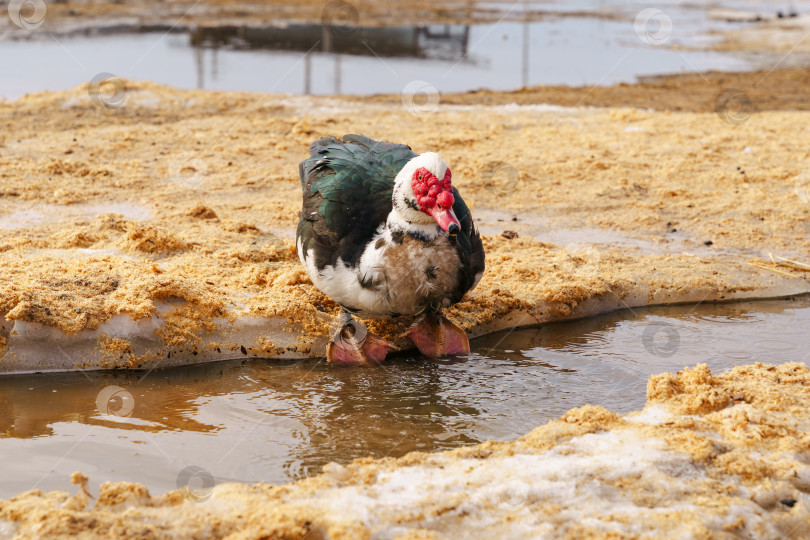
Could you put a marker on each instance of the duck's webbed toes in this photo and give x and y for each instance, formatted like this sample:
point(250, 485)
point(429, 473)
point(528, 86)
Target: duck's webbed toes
point(353, 345)
point(435, 335)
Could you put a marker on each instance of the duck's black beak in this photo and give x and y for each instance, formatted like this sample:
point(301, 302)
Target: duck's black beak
point(453, 229)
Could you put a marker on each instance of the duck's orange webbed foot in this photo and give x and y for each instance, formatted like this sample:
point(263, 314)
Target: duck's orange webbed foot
point(435, 335)
point(353, 345)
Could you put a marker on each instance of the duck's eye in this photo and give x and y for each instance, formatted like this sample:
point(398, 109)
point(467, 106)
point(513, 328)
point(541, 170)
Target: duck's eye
point(419, 176)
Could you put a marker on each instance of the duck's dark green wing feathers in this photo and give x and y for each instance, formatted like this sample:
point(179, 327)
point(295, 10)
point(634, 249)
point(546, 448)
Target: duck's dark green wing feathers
point(347, 186)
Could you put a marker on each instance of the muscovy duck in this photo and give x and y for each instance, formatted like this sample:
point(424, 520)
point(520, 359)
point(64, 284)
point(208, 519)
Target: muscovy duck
point(384, 233)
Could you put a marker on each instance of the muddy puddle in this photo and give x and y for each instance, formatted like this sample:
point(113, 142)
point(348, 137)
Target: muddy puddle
point(273, 421)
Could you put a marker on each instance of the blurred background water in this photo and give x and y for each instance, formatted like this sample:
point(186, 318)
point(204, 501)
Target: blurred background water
point(580, 43)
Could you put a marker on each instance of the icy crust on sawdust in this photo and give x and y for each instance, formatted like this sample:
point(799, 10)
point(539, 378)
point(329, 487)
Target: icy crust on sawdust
point(161, 233)
point(105, 312)
point(710, 456)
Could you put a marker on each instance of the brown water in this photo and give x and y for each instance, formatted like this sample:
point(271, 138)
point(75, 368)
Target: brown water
point(268, 421)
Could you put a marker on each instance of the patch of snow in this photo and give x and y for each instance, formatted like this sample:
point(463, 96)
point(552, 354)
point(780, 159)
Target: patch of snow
point(78, 253)
point(143, 98)
point(35, 347)
point(577, 475)
point(323, 105)
point(43, 214)
point(7, 529)
point(515, 108)
point(652, 415)
point(119, 326)
point(75, 102)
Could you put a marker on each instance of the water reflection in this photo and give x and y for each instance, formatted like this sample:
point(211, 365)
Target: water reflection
point(437, 42)
point(447, 42)
point(268, 421)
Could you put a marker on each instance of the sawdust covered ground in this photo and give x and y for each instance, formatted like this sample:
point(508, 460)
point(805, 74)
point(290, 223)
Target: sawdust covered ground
point(194, 195)
point(755, 92)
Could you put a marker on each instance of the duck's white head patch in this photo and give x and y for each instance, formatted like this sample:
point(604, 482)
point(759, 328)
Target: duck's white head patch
point(423, 192)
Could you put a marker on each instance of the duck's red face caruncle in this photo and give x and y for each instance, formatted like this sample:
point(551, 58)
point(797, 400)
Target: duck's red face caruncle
point(435, 198)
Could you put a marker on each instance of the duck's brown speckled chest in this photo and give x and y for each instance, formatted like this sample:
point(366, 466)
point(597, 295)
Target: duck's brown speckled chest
point(419, 274)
